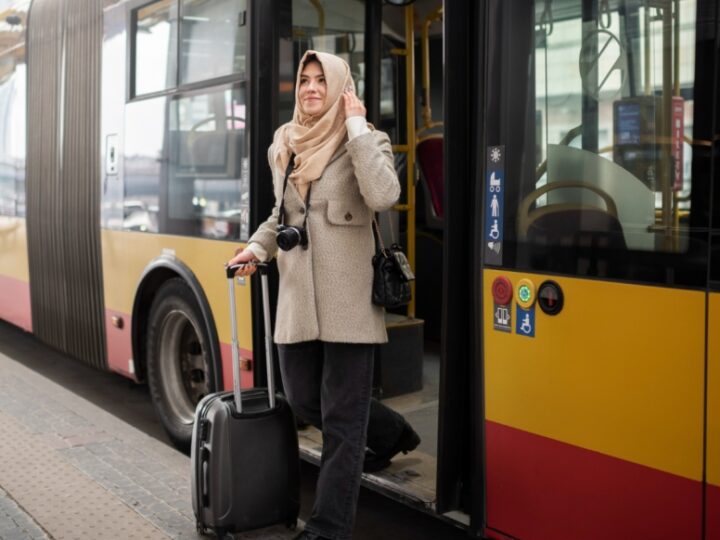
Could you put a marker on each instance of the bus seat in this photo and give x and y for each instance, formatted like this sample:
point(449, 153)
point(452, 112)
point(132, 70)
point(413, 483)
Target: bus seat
point(571, 224)
point(430, 158)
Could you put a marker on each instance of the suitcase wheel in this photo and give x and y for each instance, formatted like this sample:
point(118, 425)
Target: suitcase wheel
point(292, 524)
point(200, 528)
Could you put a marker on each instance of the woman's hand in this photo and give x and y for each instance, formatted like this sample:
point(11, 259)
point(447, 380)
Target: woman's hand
point(244, 257)
point(353, 105)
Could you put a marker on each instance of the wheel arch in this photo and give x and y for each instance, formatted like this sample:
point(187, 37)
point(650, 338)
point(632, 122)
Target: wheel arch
point(160, 270)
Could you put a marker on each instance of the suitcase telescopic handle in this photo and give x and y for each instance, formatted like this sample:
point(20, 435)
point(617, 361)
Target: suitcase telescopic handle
point(230, 273)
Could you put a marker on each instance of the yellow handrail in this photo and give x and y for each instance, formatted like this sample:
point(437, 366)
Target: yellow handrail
point(425, 42)
point(321, 16)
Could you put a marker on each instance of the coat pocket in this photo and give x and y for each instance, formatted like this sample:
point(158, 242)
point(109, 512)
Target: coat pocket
point(346, 213)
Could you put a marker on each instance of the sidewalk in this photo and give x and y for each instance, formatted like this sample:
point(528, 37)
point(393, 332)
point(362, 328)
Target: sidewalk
point(70, 470)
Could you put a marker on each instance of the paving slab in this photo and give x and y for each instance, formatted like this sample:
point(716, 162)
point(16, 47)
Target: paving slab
point(70, 470)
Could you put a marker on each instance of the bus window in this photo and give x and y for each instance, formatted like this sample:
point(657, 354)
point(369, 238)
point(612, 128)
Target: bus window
point(208, 186)
point(12, 110)
point(606, 139)
point(155, 56)
point(207, 192)
point(213, 39)
point(143, 166)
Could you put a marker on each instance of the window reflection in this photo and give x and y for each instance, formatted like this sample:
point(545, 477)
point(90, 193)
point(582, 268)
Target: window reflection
point(613, 117)
point(155, 47)
point(336, 27)
point(190, 178)
point(213, 39)
point(13, 77)
point(208, 187)
point(143, 164)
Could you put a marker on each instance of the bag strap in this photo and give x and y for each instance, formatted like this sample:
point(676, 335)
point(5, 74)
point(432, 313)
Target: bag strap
point(379, 246)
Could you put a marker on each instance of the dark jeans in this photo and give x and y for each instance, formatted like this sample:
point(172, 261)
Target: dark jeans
point(329, 385)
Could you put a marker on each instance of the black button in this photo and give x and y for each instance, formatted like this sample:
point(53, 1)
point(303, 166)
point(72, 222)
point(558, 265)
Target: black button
point(302, 210)
point(348, 217)
point(550, 297)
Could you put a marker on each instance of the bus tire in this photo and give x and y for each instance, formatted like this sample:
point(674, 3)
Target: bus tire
point(179, 360)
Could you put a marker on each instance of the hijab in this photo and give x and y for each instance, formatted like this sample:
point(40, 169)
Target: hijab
point(314, 138)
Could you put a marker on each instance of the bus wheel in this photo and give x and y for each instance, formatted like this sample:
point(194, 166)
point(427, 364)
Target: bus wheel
point(179, 363)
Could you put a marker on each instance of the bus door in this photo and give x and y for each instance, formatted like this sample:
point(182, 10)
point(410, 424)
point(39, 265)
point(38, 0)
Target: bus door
point(712, 407)
point(599, 122)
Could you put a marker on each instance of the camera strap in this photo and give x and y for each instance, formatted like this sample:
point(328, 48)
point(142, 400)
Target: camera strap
point(291, 164)
point(281, 213)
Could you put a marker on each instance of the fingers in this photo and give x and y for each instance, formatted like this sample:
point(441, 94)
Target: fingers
point(246, 259)
point(353, 105)
point(246, 270)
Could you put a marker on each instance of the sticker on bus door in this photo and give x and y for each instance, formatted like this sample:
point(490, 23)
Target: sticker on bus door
point(494, 204)
point(525, 321)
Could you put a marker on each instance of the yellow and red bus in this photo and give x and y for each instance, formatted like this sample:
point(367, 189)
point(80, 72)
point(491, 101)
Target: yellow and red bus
point(601, 375)
point(561, 161)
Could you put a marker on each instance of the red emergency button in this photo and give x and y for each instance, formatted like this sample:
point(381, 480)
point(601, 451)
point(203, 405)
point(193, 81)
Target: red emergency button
point(502, 290)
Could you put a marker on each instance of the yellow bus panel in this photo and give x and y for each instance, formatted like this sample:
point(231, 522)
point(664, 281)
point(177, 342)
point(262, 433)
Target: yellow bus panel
point(713, 391)
point(14, 273)
point(618, 371)
point(126, 255)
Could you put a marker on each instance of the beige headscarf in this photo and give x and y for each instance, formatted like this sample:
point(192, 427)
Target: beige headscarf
point(314, 138)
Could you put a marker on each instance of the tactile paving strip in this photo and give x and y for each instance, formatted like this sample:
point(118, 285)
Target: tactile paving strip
point(65, 502)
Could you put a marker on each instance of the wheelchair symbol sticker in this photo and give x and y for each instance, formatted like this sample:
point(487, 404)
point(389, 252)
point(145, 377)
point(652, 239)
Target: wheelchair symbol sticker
point(494, 204)
point(525, 325)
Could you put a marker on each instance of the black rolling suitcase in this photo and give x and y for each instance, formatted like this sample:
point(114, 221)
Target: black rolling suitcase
point(245, 464)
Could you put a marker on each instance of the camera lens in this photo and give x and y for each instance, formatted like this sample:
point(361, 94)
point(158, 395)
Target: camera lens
point(288, 238)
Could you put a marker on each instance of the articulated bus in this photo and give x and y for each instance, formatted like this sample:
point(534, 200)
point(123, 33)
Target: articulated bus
point(561, 356)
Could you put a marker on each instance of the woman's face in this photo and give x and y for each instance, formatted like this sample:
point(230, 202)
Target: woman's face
point(313, 89)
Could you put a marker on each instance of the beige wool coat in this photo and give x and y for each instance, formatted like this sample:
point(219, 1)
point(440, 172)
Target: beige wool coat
point(325, 291)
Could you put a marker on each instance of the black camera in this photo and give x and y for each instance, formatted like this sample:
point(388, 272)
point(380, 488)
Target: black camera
point(288, 237)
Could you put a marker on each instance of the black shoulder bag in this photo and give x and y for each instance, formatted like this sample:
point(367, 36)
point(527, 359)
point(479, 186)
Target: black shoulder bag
point(392, 274)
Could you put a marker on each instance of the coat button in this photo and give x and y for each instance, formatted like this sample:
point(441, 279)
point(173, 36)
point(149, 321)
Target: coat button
point(302, 210)
point(348, 217)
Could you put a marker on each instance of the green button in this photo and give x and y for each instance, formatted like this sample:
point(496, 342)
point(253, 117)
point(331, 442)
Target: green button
point(524, 293)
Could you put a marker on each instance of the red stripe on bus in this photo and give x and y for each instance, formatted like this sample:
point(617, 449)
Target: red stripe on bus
point(712, 514)
point(246, 377)
point(119, 344)
point(15, 302)
point(542, 489)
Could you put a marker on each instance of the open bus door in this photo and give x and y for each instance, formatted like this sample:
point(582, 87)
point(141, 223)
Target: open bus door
point(378, 41)
point(601, 362)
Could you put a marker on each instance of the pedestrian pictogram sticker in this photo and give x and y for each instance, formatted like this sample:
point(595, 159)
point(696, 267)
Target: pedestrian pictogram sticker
point(494, 204)
point(525, 325)
point(502, 317)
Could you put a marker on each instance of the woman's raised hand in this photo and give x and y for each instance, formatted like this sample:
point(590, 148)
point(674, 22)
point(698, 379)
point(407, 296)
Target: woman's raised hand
point(244, 257)
point(353, 105)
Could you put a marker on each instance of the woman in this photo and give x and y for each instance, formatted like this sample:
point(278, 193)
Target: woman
point(339, 172)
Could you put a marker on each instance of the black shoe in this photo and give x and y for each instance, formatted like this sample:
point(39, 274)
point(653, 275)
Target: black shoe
point(407, 442)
